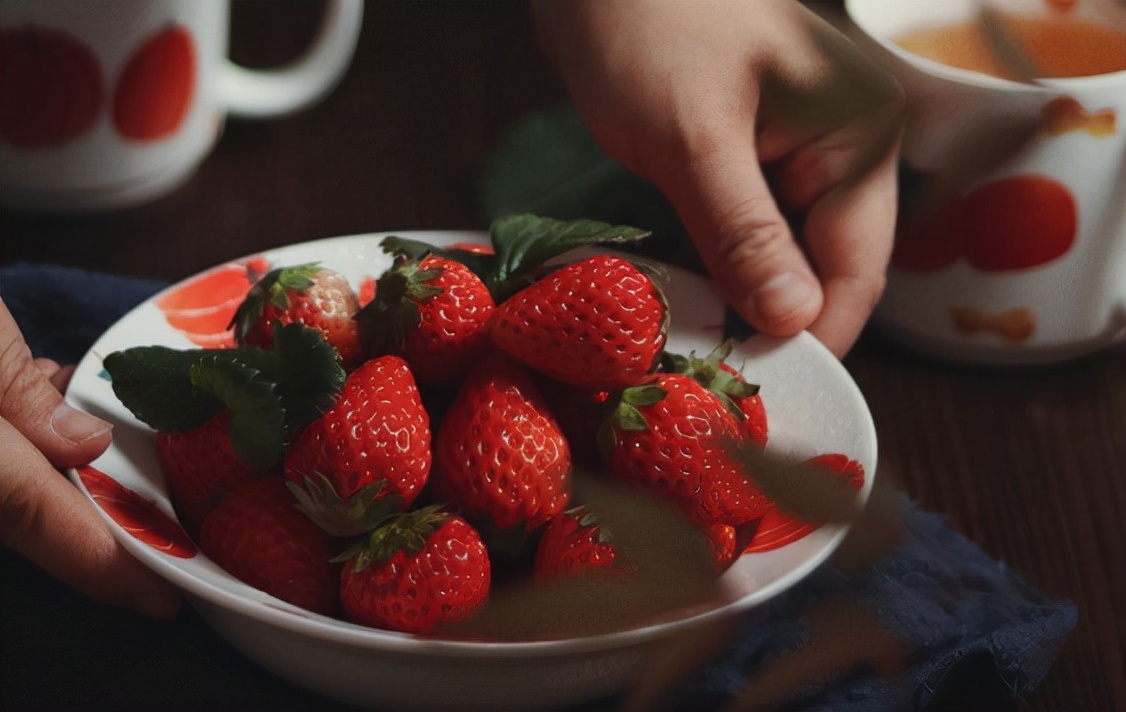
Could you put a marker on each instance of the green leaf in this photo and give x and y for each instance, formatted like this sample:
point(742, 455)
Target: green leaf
point(154, 383)
point(551, 165)
point(404, 248)
point(273, 288)
point(165, 389)
point(407, 532)
point(307, 372)
point(257, 426)
point(646, 394)
point(360, 513)
point(524, 242)
point(629, 418)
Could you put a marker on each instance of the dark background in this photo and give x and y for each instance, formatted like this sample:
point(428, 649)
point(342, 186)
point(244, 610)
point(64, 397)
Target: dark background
point(1028, 462)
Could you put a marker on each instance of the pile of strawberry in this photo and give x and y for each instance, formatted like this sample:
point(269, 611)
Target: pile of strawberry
point(386, 462)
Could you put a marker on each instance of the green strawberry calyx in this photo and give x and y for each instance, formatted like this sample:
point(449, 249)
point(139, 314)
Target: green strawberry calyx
point(522, 243)
point(406, 532)
point(387, 320)
point(270, 393)
point(344, 517)
point(273, 289)
point(627, 414)
point(588, 520)
point(709, 373)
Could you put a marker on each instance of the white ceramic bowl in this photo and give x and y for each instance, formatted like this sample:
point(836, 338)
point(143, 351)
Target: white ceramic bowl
point(813, 407)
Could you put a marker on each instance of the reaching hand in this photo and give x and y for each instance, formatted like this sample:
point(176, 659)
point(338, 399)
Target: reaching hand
point(42, 515)
point(751, 116)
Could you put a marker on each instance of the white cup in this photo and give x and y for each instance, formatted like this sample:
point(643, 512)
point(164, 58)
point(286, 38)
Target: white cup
point(1024, 260)
point(111, 103)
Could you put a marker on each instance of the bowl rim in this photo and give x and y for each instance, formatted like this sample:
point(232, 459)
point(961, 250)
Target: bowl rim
point(244, 600)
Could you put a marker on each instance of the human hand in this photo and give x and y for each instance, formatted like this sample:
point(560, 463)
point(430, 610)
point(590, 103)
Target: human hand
point(42, 515)
point(749, 115)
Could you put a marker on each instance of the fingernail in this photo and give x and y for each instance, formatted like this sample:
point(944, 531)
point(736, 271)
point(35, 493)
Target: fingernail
point(782, 297)
point(76, 426)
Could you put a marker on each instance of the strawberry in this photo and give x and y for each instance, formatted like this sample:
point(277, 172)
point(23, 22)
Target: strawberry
point(722, 538)
point(779, 528)
point(306, 294)
point(739, 396)
point(672, 435)
point(755, 423)
point(257, 535)
point(419, 570)
point(201, 467)
point(499, 454)
point(373, 444)
point(573, 543)
point(580, 414)
point(432, 312)
point(598, 323)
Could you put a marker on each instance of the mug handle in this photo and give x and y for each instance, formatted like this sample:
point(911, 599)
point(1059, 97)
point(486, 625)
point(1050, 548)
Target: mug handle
point(256, 94)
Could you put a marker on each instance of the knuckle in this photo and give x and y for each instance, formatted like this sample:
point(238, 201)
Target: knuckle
point(22, 393)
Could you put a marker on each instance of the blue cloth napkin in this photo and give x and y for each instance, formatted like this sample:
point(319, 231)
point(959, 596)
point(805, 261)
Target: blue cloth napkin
point(979, 636)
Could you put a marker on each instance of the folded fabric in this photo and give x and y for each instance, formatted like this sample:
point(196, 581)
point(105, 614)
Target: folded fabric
point(975, 633)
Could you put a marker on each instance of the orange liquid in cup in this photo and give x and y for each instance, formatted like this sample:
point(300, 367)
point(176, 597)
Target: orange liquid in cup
point(1059, 46)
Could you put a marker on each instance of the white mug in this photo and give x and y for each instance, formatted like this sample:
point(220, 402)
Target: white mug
point(111, 103)
point(1023, 261)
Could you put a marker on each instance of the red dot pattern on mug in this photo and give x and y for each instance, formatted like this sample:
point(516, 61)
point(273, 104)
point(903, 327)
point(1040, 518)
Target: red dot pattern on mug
point(53, 87)
point(1011, 223)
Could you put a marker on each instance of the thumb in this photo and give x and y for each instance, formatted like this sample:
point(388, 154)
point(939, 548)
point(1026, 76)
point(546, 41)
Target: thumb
point(725, 203)
point(28, 400)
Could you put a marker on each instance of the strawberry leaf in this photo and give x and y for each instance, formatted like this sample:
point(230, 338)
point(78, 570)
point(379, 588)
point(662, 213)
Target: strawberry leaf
point(307, 372)
point(524, 242)
point(257, 426)
point(358, 514)
point(161, 388)
point(153, 382)
point(481, 264)
point(387, 321)
point(273, 289)
point(406, 532)
point(521, 244)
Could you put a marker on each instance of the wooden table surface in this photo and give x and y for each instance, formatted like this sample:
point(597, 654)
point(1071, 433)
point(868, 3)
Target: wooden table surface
point(1030, 463)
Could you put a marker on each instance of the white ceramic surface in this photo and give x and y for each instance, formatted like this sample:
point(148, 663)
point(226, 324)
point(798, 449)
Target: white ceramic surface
point(1070, 305)
point(813, 407)
point(101, 169)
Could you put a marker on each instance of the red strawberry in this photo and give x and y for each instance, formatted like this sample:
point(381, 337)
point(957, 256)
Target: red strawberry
point(672, 435)
point(201, 467)
point(580, 414)
point(433, 313)
point(573, 543)
point(779, 528)
point(722, 539)
point(598, 323)
point(499, 454)
point(741, 397)
point(307, 294)
point(755, 423)
point(374, 443)
point(420, 570)
point(259, 537)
